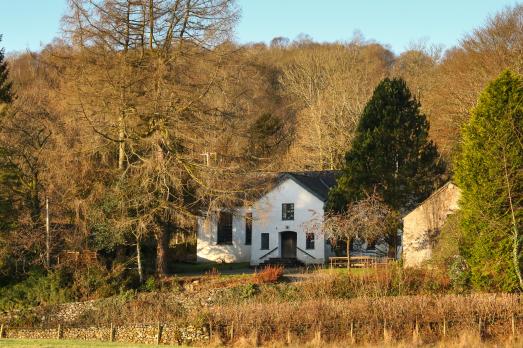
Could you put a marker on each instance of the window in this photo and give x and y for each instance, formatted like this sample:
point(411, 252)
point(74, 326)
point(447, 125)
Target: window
point(225, 228)
point(264, 241)
point(287, 211)
point(309, 241)
point(248, 229)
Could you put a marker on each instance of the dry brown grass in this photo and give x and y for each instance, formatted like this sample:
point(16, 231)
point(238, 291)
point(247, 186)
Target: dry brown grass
point(390, 320)
point(392, 307)
point(269, 274)
point(464, 340)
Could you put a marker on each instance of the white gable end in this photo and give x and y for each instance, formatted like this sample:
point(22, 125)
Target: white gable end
point(267, 216)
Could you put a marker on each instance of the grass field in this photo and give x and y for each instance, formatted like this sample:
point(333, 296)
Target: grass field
point(67, 343)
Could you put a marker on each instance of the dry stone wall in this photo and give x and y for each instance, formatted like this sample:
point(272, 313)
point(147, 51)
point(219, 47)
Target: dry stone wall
point(142, 333)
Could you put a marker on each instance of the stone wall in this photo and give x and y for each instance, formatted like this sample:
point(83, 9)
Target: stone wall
point(140, 333)
point(422, 225)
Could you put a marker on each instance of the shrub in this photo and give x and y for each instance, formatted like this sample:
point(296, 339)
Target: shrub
point(248, 291)
point(390, 281)
point(38, 288)
point(269, 274)
point(149, 285)
point(447, 243)
point(459, 273)
point(212, 273)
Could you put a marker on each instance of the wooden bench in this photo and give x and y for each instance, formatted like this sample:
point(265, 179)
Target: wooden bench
point(359, 261)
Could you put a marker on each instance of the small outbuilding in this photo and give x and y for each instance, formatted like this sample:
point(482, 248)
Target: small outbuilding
point(422, 225)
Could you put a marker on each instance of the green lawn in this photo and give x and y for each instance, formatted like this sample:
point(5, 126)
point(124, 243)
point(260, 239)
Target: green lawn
point(67, 343)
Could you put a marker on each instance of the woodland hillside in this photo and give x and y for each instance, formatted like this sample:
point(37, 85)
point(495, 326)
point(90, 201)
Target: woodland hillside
point(142, 114)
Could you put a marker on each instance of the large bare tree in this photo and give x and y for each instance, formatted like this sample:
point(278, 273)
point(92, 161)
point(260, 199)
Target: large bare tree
point(138, 84)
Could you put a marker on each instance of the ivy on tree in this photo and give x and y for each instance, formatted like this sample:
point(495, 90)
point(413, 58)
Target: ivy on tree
point(489, 172)
point(391, 152)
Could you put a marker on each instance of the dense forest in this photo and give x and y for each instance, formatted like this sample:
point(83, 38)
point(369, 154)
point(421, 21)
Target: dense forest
point(144, 113)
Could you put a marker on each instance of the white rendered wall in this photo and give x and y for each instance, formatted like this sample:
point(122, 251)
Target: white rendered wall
point(207, 249)
point(267, 218)
point(429, 216)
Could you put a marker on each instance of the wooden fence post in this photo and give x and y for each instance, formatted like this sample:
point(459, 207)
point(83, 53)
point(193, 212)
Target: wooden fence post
point(112, 333)
point(289, 339)
point(415, 332)
point(513, 322)
point(386, 335)
point(444, 327)
point(59, 334)
point(232, 332)
point(2, 333)
point(480, 328)
point(159, 333)
point(318, 336)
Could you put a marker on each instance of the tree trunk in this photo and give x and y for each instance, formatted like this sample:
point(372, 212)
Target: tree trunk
point(121, 136)
point(348, 252)
point(162, 248)
point(139, 260)
point(393, 246)
point(35, 201)
point(515, 232)
point(47, 235)
point(151, 24)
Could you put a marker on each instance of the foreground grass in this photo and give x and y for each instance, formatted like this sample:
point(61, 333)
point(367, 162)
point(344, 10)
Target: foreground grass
point(41, 343)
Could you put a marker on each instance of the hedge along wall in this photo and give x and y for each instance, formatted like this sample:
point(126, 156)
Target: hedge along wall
point(493, 317)
point(490, 316)
point(140, 333)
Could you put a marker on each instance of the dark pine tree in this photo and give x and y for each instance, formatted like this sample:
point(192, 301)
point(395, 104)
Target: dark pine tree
point(5, 84)
point(265, 135)
point(391, 152)
point(8, 183)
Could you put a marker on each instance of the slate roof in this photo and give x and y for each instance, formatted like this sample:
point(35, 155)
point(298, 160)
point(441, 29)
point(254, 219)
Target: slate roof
point(316, 182)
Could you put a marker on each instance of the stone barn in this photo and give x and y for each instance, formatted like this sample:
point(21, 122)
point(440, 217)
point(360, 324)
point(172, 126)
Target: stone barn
point(422, 225)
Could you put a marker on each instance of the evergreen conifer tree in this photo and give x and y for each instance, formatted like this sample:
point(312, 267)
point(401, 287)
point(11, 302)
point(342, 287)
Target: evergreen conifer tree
point(8, 179)
point(5, 84)
point(489, 171)
point(391, 152)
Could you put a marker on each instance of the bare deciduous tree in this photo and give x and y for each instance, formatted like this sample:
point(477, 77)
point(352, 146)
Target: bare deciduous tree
point(331, 86)
point(368, 219)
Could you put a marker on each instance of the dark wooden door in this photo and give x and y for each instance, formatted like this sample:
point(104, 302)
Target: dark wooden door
point(288, 244)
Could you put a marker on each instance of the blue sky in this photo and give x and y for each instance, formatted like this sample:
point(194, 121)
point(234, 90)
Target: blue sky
point(27, 24)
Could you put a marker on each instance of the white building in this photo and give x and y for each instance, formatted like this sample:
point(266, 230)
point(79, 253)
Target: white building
point(422, 225)
point(285, 223)
point(282, 223)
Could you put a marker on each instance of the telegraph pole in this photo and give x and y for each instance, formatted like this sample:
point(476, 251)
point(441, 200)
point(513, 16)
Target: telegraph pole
point(48, 235)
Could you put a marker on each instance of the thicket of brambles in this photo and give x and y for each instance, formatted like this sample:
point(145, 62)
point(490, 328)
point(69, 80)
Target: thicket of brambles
point(142, 114)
